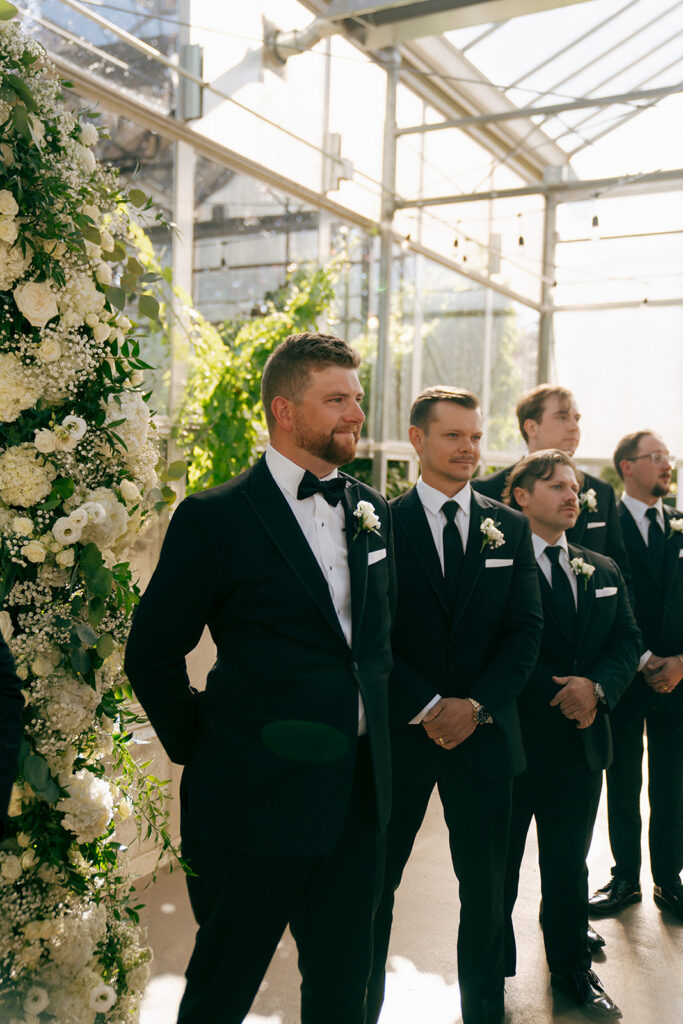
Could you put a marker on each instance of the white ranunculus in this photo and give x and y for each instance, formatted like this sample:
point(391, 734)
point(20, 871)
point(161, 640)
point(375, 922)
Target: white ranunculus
point(34, 551)
point(66, 530)
point(44, 440)
point(22, 526)
point(8, 204)
point(50, 350)
point(103, 274)
point(130, 491)
point(65, 557)
point(10, 867)
point(6, 626)
point(80, 517)
point(36, 1000)
point(96, 511)
point(8, 230)
point(36, 301)
point(89, 134)
point(102, 998)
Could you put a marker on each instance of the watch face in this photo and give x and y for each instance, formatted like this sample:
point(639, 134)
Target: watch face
point(481, 716)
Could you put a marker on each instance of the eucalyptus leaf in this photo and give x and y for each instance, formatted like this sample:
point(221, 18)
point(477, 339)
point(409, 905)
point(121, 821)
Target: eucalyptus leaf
point(36, 771)
point(116, 296)
point(86, 634)
point(176, 471)
point(148, 307)
point(137, 197)
point(80, 660)
point(7, 10)
point(105, 645)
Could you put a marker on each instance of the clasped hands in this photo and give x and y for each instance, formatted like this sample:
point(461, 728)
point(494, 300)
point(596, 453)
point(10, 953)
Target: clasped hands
point(576, 699)
point(449, 722)
point(663, 674)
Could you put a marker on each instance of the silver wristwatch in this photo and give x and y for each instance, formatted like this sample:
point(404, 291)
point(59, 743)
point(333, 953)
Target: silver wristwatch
point(479, 713)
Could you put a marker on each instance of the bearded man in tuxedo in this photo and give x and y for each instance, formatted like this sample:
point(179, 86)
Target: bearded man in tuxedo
point(653, 533)
point(549, 417)
point(286, 787)
point(465, 640)
point(11, 704)
point(589, 650)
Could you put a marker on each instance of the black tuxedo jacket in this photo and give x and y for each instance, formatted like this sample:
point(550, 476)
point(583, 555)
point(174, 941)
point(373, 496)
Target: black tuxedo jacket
point(11, 704)
point(605, 647)
point(658, 604)
point(599, 530)
point(486, 648)
point(235, 559)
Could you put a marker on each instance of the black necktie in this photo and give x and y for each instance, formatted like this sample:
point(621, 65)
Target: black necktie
point(562, 589)
point(453, 553)
point(655, 541)
point(331, 490)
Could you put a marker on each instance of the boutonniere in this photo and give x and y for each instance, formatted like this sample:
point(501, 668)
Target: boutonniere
point(588, 500)
point(368, 520)
point(583, 569)
point(493, 537)
point(675, 526)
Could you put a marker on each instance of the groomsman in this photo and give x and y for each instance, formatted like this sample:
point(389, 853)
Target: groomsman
point(549, 418)
point(465, 641)
point(11, 704)
point(589, 650)
point(654, 701)
point(286, 788)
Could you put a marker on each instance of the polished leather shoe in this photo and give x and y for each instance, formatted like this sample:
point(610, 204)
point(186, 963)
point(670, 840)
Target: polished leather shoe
point(670, 897)
point(586, 989)
point(594, 940)
point(616, 894)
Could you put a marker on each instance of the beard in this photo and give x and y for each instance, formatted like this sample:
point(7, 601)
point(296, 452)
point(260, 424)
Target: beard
point(660, 490)
point(331, 447)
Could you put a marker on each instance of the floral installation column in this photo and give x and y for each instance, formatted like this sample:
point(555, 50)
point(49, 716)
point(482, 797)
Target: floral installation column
point(78, 482)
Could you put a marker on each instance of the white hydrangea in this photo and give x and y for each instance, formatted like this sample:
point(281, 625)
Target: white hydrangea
point(19, 388)
point(89, 807)
point(25, 476)
point(68, 704)
point(78, 298)
point(133, 409)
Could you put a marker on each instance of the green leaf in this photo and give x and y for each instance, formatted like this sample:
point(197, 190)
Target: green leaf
point(21, 89)
point(137, 197)
point(92, 234)
point(80, 660)
point(148, 306)
point(116, 296)
point(7, 10)
point(134, 268)
point(96, 610)
point(86, 634)
point(169, 495)
point(20, 115)
point(176, 471)
point(36, 771)
point(63, 486)
point(90, 558)
point(105, 645)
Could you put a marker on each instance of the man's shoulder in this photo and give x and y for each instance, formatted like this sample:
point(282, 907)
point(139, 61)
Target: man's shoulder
point(493, 484)
point(367, 493)
point(603, 563)
point(500, 511)
point(603, 490)
point(216, 498)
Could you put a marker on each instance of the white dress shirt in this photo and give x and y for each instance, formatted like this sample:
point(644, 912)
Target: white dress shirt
point(638, 510)
point(545, 564)
point(324, 528)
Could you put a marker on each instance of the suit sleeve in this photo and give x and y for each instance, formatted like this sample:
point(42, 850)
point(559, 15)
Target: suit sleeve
point(168, 624)
point(508, 671)
point(618, 661)
point(11, 705)
point(615, 547)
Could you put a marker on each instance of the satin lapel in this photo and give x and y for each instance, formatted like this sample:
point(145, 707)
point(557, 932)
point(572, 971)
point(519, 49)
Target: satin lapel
point(410, 516)
point(585, 599)
point(357, 554)
point(270, 505)
point(672, 551)
point(474, 556)
point(635, 543)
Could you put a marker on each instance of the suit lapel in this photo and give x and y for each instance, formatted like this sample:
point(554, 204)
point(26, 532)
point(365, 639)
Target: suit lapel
point(635, 543)
point(672, 550)
point(357, 554)
point(474, 556)
point(411, 517)
point(270, 505)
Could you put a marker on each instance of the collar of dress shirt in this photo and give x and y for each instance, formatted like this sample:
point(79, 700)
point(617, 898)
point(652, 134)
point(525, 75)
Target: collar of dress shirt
point(540, 545)
point(286, 474)
point(433, 499)
point(639, 508)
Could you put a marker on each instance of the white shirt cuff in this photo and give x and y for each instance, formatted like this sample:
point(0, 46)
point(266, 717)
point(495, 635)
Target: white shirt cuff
point(644, 658)
point(418, 718)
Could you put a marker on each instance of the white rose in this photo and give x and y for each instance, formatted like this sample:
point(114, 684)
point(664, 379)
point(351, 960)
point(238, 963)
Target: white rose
point(6, 154)
point(89, 134)
point(676, 525)
point(8, 204)
point(6, 626)
point(22, 525)
point(36, 301)
point(8, 231)
point(65, 557)
point(34, 551)
point(44, 440)
point(80, 517)
point(11, 867)
point(129, 491)
point(66, 530)
point(101, 332)
point(102, 998)
point(50, 350)
point(28, 859)
point(103, 274)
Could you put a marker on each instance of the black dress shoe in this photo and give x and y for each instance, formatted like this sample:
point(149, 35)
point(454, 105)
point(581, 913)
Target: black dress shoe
point(594, 940)
point(670, 897)
point(616, 894)
point(585, 989)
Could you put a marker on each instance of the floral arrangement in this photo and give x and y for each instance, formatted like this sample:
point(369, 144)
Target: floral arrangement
point(78, 483)
point(493, 536)
point(588, 500)
point(582, 569)
point(675, 526)
point(368, 520)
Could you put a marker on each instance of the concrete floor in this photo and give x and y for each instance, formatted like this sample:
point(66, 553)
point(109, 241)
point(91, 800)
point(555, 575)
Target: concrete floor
point(641, 968)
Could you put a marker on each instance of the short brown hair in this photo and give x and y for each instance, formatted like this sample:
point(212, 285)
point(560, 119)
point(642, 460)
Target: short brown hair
point(288, 368)
point(532, 403)
point(422, 411)
point(538, 466)
point(628, 447)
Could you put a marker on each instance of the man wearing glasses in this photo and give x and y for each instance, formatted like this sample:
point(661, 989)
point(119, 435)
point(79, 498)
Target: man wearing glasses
point(653, 534)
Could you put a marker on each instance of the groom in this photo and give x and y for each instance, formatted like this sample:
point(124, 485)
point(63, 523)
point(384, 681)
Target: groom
point(285, 791)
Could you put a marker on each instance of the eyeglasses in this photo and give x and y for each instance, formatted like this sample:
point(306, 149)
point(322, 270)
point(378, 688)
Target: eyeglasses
point(657, 458)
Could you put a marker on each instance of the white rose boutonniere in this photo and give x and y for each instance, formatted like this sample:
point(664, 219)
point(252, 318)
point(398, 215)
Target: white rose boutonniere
point(589, 500)
point(675, 526)
point(493, 536)
point(368, 520)
point(583, 569)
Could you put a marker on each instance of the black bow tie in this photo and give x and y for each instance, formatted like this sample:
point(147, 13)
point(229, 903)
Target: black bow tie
point(331, 490)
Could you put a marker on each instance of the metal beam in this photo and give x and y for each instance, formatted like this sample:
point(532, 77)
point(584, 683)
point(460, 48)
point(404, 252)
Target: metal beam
point(545, 327)
point(626, 184)
point(590, 307)
point(553, 108)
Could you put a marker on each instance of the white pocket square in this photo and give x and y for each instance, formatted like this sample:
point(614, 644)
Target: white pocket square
point(606, 592)
point(592, 526)
point(680, 553)
point(377, 556)
point(497, 563)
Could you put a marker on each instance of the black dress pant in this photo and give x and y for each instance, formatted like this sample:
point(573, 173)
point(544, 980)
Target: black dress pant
point(639, 710)
point(563, 798)
point(243, 904)
point(477, 815)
